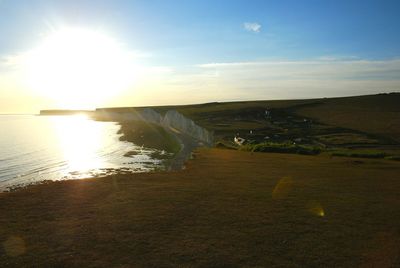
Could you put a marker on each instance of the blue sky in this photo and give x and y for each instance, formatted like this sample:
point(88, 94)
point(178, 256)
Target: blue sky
point(194, 31)
point(191, 36)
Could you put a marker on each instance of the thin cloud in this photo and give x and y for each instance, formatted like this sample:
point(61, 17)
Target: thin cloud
point(337, 58)
point(289, 79)
point(311, 69)
point(252, 27)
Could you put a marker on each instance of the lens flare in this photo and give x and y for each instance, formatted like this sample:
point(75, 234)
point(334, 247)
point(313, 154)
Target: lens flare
point(282, 188)
point(14, 246)
point(315, 208)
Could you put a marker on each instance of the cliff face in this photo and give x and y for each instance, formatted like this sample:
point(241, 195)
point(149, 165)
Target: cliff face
point(175, 120)
point(149, 115)
point(171, 120)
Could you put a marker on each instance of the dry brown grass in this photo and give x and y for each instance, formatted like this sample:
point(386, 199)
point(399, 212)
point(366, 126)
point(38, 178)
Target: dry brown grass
point(227, 209)
point(377, 114)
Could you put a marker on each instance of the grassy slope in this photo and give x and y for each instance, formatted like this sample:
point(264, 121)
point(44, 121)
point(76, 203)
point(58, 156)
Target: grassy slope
point(228, 111)
point(377, 114)
point(356, 122)
point(149, 135)
point(370, 122)
point(227, 209)
point(371, 113)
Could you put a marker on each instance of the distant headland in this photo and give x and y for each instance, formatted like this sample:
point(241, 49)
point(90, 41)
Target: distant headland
point(65, 112)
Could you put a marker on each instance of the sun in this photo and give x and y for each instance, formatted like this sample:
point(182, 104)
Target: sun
point(79, 68)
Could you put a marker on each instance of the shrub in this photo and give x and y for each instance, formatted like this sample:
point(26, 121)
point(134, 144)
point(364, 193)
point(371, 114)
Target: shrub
point(281, 148)
point(393, 157)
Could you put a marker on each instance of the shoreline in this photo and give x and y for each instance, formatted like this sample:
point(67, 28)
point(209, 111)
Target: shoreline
point(161, 138)
point(176, 162)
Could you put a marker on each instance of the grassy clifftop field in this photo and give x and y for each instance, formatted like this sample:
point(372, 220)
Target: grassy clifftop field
point(374, 113)
point(227, 209)
point(377, 114)
point(361, 122)
point(352, 122)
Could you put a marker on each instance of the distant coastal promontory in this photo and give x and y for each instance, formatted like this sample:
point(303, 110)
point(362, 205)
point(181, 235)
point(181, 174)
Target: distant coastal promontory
point(65, 112)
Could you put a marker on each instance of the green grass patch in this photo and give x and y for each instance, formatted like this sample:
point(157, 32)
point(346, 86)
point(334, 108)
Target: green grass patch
point(393, 157)
point(281, 148)
point(271, 147)
point(149, 135)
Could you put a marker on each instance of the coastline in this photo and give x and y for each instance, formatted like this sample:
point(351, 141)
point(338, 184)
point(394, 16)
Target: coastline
point(179, 145)
point(165, 131)
point(170, 147)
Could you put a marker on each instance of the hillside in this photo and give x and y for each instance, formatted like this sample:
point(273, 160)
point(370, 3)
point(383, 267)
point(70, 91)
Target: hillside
point(376, 114)
point(362, 121)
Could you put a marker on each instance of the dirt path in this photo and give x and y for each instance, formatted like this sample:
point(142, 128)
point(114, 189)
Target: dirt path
point(188, 144)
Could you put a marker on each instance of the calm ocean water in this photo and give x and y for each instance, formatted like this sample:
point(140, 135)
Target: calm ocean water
point(37, 148)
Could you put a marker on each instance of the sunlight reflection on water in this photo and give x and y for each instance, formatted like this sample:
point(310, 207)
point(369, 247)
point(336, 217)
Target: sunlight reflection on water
point(38, 148)
point(80, 140)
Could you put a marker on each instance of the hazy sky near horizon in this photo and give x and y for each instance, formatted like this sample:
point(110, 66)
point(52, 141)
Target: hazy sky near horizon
point(178, 52)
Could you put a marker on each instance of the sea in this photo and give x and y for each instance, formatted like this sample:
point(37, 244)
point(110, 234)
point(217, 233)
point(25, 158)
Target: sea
point(34, 149)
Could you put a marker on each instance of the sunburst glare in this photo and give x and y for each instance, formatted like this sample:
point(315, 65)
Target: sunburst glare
point(79, 68)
